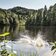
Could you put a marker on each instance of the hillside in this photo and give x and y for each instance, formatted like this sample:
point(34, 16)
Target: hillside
point(28, 17)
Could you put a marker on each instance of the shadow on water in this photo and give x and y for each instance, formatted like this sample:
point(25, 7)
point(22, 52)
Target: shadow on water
point(15, 31)
point(49, 32)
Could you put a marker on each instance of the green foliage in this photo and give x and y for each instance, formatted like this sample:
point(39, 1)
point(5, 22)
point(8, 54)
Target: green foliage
point(4, 51)
point(4, 34)
point(54, 47)
point(44, 17)
point(28, 17)
point(12, 54)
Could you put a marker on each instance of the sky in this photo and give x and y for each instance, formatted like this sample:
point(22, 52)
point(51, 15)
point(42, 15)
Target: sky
point(30, 4)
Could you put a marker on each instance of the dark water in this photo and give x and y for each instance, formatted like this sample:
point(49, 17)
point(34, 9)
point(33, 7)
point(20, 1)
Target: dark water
point(49, 32)
point(29, 36)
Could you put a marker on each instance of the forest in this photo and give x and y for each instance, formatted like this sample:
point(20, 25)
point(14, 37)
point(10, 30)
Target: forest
point(28, 17)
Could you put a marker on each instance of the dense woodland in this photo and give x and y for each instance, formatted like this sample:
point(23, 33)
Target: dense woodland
point(28, 17)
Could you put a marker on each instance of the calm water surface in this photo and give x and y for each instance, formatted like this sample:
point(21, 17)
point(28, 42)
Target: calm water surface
point(30, 40)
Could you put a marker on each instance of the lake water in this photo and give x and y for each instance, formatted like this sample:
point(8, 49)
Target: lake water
point(29, 41)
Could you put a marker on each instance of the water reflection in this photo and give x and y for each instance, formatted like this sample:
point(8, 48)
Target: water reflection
point(14, 31)
point(48, 32)
point(30, 38)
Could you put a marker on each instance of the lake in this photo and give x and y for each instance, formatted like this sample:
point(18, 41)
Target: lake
point(31, 41)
